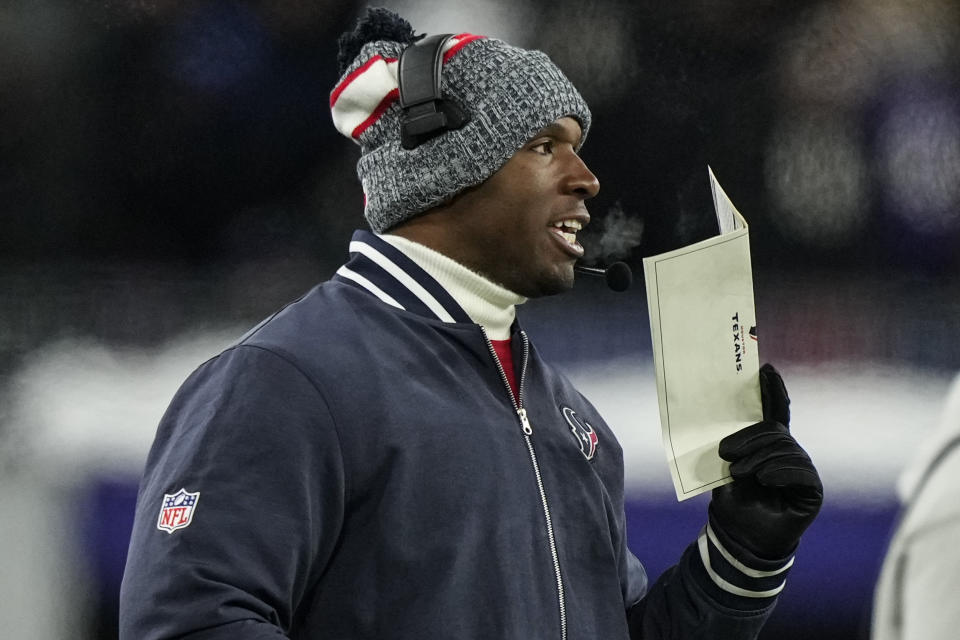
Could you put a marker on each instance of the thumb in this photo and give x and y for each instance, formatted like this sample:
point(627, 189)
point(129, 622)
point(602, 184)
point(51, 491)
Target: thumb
point(773, 396)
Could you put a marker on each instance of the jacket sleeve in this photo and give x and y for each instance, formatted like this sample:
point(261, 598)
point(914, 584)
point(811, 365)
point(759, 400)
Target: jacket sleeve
point(925, 569)
point(253, 438)
point(717, 591)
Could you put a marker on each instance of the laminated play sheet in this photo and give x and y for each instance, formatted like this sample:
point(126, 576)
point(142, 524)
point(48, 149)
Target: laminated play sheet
point(703, 326)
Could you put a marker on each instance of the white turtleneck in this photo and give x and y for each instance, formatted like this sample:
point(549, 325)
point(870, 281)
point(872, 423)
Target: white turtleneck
point(487, 303)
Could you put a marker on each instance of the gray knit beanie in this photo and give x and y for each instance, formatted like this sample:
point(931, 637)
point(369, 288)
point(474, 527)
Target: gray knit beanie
point(509, 93)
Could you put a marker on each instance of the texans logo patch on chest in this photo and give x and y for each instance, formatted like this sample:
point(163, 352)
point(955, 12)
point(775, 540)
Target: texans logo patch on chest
point(583, 432)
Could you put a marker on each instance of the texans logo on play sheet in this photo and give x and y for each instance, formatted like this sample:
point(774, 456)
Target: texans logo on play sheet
point(583, 432)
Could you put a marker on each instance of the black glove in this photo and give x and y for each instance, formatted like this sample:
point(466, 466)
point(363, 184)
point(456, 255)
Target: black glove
point(776, 492)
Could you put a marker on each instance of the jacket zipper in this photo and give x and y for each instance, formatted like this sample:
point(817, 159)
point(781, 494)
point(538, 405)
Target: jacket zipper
point(527, 436)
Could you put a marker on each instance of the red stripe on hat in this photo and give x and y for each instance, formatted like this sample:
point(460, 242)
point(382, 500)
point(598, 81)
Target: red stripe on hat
point(383, 106)
point(463, 40)
point(340, 88)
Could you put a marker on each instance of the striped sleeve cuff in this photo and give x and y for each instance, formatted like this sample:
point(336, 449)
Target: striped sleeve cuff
point(734, 577)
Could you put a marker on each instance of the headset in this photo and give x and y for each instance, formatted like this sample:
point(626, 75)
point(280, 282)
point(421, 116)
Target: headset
point(425, 112)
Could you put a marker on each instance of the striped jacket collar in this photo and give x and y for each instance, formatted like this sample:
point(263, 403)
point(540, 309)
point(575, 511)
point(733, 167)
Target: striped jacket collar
point(384, 271)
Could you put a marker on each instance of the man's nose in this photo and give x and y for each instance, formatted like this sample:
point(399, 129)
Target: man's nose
point(581, 180)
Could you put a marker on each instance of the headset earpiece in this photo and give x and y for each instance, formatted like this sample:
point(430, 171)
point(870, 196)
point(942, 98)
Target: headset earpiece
point(425, 112)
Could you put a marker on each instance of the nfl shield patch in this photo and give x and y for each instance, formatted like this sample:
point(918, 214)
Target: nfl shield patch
point(176, 511)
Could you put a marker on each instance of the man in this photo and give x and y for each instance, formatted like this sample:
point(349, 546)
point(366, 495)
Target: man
point(914, 598)
point(389, 457)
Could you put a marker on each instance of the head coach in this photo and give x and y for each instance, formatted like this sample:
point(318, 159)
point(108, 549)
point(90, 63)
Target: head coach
point(390, 457)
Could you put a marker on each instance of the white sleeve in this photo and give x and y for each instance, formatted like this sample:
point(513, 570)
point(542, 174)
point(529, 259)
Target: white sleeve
point(930, 582)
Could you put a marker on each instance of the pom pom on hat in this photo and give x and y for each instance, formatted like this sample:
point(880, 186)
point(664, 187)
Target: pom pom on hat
point(377, 24)
point(509, 92)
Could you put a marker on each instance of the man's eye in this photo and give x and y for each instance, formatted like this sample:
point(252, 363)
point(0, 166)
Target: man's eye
point(544, 148)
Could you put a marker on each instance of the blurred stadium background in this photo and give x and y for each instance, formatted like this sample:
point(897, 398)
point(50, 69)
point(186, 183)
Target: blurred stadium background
point(169, 175)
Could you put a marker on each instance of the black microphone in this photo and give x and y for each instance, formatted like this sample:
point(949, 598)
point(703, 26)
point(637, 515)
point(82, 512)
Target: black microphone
point(619, 277)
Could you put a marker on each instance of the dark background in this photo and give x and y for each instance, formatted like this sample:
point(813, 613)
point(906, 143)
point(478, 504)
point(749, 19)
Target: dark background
point(140, 138)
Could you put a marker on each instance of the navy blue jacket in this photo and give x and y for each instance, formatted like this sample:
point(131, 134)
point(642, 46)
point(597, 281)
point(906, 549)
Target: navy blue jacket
point(356, 467)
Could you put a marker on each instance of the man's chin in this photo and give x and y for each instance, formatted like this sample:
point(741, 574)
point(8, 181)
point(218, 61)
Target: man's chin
point(558, 281)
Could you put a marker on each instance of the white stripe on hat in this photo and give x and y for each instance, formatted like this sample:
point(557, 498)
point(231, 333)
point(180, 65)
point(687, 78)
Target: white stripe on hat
point(362, 97)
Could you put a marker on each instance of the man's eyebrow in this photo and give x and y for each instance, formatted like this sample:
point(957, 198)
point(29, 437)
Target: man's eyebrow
point(556, 130)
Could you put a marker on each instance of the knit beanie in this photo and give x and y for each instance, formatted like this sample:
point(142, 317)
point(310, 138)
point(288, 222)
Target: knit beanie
point(509, 94)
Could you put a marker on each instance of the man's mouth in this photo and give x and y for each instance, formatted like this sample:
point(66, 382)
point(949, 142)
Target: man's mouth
point(567, 230)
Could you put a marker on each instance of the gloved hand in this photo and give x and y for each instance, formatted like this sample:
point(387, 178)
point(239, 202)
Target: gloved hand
point(776, 492)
